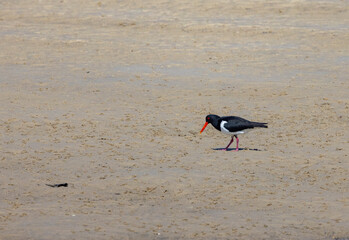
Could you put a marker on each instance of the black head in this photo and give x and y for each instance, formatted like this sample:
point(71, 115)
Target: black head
point(210, 118)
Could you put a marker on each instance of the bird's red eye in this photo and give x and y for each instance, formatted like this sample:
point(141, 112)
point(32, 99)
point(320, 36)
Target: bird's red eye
point(208, 118)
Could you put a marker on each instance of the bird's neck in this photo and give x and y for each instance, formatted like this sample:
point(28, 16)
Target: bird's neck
point(217, 124)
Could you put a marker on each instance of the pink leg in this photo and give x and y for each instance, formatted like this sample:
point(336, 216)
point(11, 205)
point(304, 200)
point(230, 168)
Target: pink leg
point(232, 139)
point(237, 143)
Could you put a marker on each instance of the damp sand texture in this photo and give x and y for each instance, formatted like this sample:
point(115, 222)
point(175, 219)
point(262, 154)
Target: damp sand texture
point(109, 97)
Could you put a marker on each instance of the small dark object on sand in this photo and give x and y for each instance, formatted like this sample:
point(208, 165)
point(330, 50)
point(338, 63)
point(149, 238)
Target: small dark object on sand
point(58, 185)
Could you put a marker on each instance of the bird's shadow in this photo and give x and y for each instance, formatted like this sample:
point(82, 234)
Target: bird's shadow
point(240, 149)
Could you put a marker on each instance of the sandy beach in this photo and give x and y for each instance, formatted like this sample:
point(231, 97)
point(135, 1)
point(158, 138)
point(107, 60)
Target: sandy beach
point(110, 96)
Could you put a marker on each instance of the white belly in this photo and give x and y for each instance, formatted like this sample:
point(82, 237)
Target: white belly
point(225, 131)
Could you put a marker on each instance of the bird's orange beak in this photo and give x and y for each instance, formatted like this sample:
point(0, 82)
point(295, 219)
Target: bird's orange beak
point(204, 127)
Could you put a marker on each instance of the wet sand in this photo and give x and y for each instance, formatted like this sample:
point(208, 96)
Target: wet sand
point(110, 97)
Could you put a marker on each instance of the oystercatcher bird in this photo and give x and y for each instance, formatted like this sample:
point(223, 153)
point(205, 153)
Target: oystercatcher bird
point(232, 126)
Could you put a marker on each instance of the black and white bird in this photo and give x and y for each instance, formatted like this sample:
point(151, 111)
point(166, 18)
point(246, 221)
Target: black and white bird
point(232, 126)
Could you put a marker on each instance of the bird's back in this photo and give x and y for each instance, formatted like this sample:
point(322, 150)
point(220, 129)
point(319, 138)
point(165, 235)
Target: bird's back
point(234, 124)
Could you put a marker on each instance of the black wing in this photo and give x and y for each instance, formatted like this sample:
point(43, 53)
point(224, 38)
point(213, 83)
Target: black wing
point(235, 124)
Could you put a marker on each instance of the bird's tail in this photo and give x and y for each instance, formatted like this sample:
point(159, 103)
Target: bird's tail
point(261, 125)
